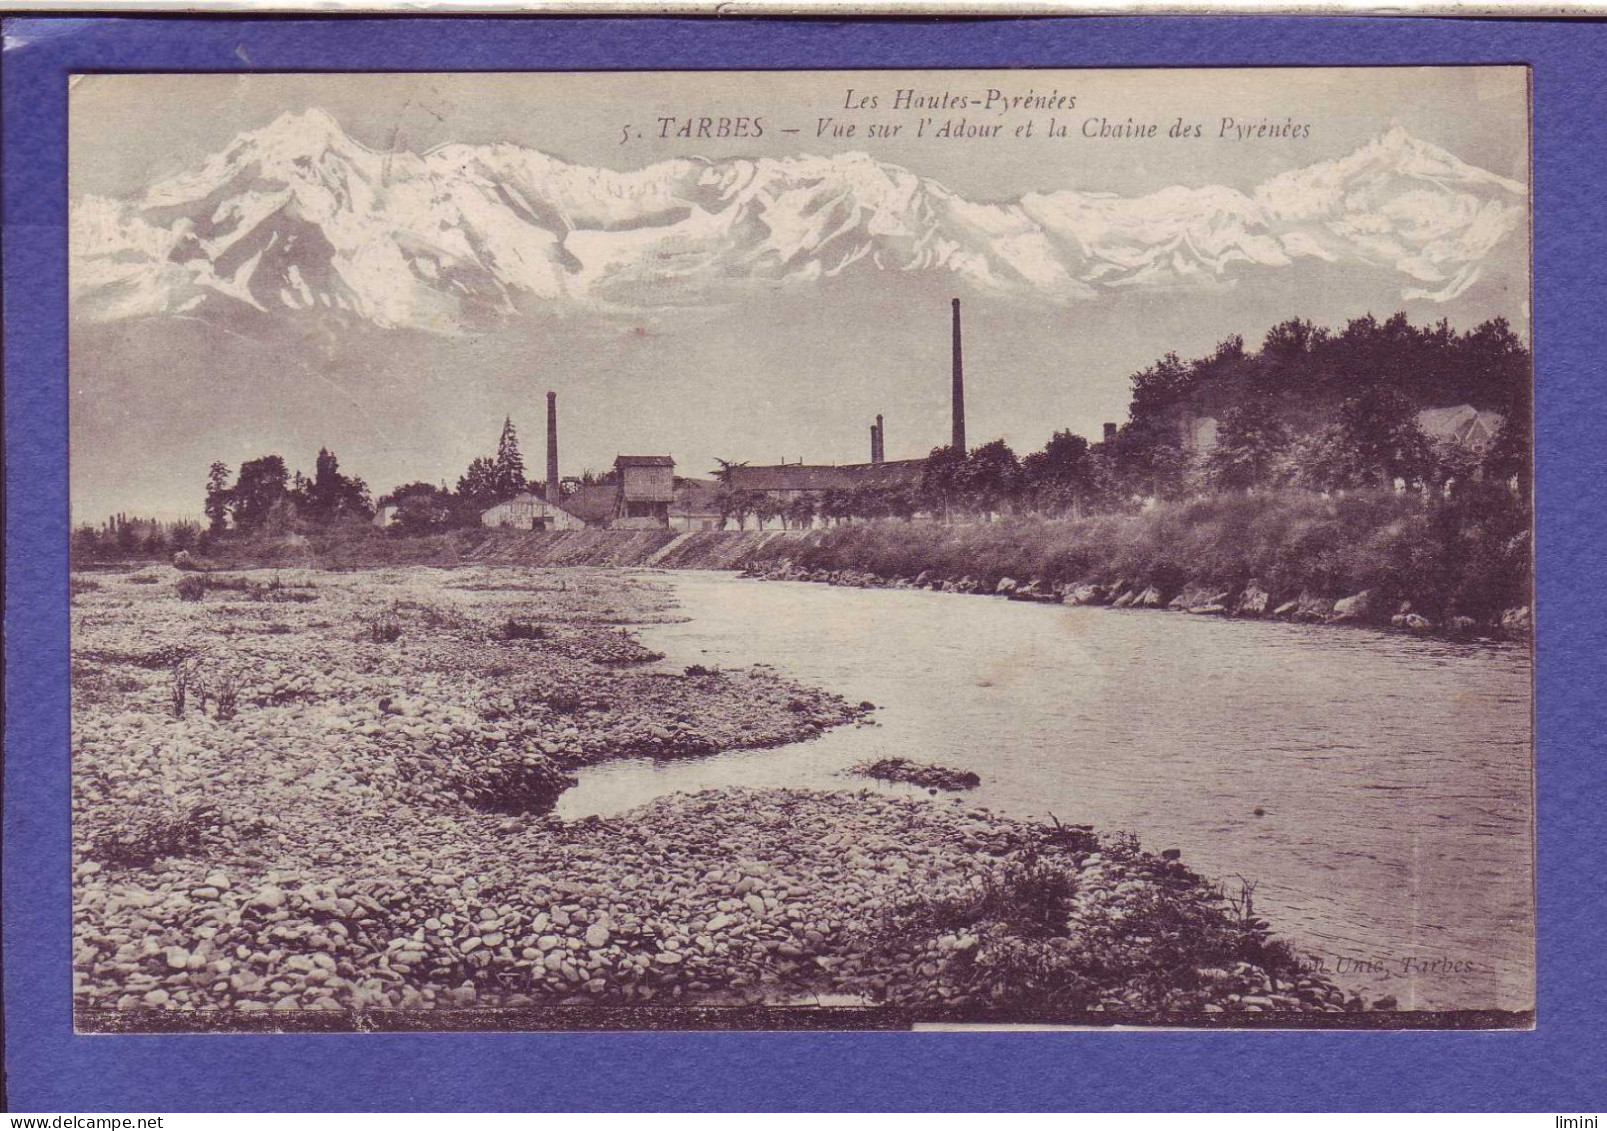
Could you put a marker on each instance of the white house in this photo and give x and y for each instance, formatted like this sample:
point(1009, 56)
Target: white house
point(1462, 424)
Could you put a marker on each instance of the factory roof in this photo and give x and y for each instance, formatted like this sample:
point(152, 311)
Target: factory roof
point(825, 477)
point(696, 496)
point(644, 461)
point(1461, 423)
point(592, 502)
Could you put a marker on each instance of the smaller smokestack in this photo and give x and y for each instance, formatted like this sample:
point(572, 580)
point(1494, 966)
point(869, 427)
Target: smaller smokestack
point(958, 389)
point(878, 440)
point(553, 491)
point(1110, 431)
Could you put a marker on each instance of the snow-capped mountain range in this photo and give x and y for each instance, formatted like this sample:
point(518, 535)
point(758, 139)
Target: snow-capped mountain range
point(297, 217)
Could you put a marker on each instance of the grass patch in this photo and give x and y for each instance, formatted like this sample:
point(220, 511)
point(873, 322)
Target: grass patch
point(1029, 896)
point(154, 659)
point(384, 629)
point(1140, 933)
point(144, 839)
point(516, 629)
point(916, 773)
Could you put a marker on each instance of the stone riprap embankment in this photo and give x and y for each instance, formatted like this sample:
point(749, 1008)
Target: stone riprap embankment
point(1365, 608)
point(669, 549)
point(328, 792)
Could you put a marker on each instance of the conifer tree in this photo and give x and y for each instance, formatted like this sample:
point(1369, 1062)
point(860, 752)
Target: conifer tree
point(509, 469)
point(217, 497)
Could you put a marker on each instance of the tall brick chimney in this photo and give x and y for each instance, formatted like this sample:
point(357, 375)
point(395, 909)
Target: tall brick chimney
point(958, 442)
point(553, 494)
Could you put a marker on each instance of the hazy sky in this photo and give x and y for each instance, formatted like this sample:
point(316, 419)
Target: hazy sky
point(794, 373)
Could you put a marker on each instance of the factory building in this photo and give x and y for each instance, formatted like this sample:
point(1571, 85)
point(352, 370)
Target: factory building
point(645, 488)
point(529, 512)
point(642, 492)
point(786, 482)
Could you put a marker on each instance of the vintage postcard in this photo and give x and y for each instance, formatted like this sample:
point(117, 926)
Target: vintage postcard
point(815, 549)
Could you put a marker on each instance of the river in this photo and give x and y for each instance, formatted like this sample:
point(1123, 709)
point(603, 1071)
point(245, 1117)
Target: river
point(1375, 787)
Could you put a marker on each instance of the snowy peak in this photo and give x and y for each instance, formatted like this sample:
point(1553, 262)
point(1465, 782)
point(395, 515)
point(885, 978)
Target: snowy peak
point(297, 217)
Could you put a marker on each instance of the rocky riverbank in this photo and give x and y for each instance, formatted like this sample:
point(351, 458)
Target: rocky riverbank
point(736, 896)
point(328, 792)
point(1365, 608)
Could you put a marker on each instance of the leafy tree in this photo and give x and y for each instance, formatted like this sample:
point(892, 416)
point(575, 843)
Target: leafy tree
point(1249, 442)
point(734, 504)
point(125, 532)
point(422, 508)
point(1302, 377)
point(765, 508)
point(1291, 339)
point(866, 502)
point(489, 480)
point(1380, 426)
point(1509, 456)
point(1150, 460)
point(217, 497)
point(1161, 387)
point(722, 474)
point(184, 536)
point(900, 502)
point(329, 495)
point(991, 477)
point(1060, 478)
point(1320, 461)
point(836, 505)
point(260, 487)
point(940, 485)
point(479, 482)
point(801, 509)
point(1457, 464)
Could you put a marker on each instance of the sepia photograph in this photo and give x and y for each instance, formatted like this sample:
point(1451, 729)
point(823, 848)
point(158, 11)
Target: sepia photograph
point(844, 550)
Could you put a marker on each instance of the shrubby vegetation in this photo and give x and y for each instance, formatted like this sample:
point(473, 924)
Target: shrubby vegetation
point(1319, 479)
point(1465, 555)
point(121, 538)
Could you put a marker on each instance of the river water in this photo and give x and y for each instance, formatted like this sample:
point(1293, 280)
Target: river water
point(1375, 787)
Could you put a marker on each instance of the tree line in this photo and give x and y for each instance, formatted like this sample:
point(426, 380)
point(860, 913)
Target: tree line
point(266, 497)
point(1324, 411)
point(1313, 409)
point(422, 508)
